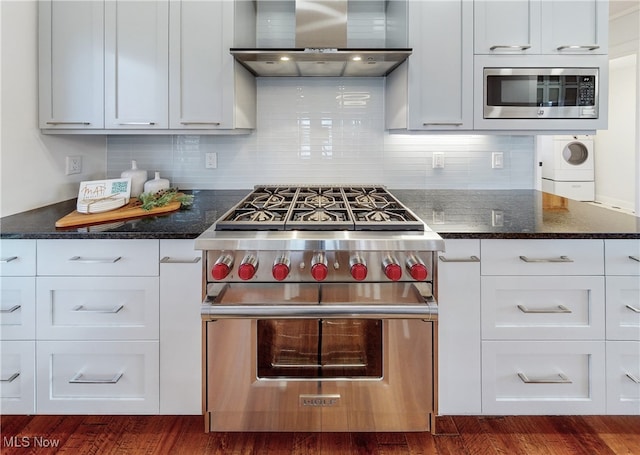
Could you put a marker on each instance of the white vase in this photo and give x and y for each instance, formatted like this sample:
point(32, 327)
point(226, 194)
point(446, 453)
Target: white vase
point(138, 177)
point(156, 184)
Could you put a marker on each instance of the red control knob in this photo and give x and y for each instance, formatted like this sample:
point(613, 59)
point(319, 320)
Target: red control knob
point(393, 271)
point(319, 271)
point(246, 271)
point(359, 271)
point(280, 271)
point(418, 272)
point(220, 270)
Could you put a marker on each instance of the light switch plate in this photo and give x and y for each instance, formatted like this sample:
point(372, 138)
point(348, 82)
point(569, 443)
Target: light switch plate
point(438, 160)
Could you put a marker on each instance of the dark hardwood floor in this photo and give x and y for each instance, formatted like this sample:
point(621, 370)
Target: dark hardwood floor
point(131, 435)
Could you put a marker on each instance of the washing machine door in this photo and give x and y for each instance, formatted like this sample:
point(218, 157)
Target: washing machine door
point(575, 153)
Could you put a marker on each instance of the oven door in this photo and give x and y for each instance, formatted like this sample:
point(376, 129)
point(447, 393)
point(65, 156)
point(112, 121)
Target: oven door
point(343, 367)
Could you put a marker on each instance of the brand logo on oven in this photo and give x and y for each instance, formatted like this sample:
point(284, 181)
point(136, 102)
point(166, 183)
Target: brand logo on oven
point(319, 400)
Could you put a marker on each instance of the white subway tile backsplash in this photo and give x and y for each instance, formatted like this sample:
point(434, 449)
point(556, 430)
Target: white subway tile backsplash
point(322, 131)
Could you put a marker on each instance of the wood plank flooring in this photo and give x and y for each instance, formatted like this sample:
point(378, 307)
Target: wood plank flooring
point(460, 435)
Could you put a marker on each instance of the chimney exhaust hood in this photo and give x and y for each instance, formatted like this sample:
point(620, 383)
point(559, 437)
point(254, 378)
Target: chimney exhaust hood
point(321, 48)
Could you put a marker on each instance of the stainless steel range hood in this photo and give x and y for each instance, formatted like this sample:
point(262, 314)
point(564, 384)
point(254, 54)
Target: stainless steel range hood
point(321, 48)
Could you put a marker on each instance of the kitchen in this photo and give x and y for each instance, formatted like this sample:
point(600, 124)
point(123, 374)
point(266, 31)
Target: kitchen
point(314, 133)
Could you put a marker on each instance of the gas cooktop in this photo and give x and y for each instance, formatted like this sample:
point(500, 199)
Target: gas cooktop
point(336, 208)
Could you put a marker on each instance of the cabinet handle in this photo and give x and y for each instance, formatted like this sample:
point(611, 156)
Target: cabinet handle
point(635, 258)
point(138, 123)
point(168, 260)
point(561, 309)
point(469, 259)
point(13, 258)
point(200, 123)
point(68, 123)
point(517, 47)
point(588, 47)
point(560, 259)
point(10, 310)
point(442, 124)
point(10, 378)
point(634, 309)
point(633, 378)
point(80, 378)
point(95, 260)
point(82, 309)
point(562, 379)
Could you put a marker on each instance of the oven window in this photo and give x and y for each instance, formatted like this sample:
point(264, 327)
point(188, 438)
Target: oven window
point(319, 348)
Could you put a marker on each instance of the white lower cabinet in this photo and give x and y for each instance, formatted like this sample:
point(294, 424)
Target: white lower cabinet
point(623, 377)
point(17, 377)
point(543, 377)
point(97, 377)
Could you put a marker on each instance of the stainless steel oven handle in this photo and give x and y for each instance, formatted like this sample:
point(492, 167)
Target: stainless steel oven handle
point(427, 311)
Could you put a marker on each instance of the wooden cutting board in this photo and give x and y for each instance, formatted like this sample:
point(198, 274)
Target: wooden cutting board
point(131, 210)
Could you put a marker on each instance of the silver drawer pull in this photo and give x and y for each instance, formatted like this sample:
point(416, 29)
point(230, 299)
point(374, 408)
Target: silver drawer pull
point(560, 309)
point(82, 309)
point(168, 260)
point(137, 123)
point(560, 259)
point(68, 123)
point(13, 258)
point(634, 309)
point(10, 378)
point(95, 260)
point(635, 258)
point(469, 259)
point(588, 47)
point(442, 124)
point(200, 123)
point(517, 47)
point(562, 379)
point(633, 378)
point(10, 310)
point(80, 378)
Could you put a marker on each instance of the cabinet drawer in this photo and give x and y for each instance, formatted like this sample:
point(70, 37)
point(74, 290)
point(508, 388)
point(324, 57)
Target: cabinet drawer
point(98, 257)
point(18, 308)
point(97, 308)
point(17, 377)
point(623, 377)
point(543, 377)
point(622, 257)
point(542, 257)
point(543, 307)
point(100, 377)
point(17, 257)
point(623, 308)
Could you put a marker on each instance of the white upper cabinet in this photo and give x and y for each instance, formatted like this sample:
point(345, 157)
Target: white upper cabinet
point(541, 27)
point(136, 63)
point(208, 90)
point(433, 89)
point(71, 69)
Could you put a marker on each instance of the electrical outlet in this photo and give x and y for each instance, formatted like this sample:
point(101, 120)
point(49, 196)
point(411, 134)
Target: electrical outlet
point(438, 160)
point(74, 165)
point(211, 160)
point(497, 160)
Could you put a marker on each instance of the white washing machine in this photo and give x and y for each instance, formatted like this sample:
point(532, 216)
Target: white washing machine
point(568, 167)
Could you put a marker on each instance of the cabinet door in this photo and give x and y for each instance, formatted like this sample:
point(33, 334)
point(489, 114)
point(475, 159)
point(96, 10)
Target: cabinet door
point(623, 377)
point(17, 257)
point(459, 389)
point(622, 257)
point(440, 68)
point(575, 27)
point(507, 27)
point(196, 58)
point(71, 64)
point(180, 328)
point(17, 308)
point(137, 64)
point(623, 308)
point(18, 377)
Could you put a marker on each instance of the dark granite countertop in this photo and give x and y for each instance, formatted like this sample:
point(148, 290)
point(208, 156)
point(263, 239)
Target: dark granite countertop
point(522, 214)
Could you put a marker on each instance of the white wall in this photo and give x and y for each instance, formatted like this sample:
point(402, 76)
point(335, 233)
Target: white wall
point(32, 165)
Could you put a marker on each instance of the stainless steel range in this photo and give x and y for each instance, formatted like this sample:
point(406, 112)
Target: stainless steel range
point(320, 313)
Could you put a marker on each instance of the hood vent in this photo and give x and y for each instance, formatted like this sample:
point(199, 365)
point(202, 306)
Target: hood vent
point(321, 48)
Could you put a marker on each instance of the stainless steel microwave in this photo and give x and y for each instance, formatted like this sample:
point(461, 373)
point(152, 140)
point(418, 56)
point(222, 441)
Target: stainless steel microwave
point(538, 93)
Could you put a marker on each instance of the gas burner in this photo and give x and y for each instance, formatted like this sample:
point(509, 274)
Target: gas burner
point(371, 200)
point(320, 216)
point(257, 215)
point(319, 200)
point(377, 216)
point(268, 201)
